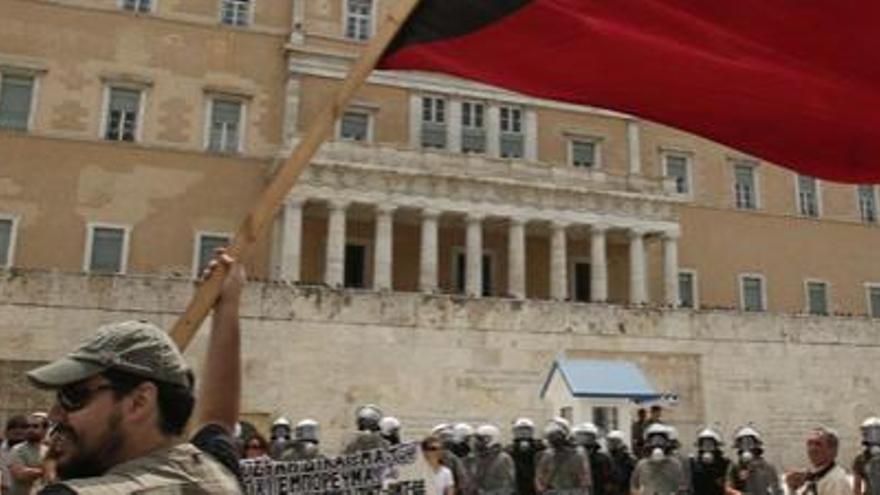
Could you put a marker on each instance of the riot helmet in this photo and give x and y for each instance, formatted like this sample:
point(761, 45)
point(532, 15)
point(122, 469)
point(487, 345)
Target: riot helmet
point(306, 431)
point(368, 417)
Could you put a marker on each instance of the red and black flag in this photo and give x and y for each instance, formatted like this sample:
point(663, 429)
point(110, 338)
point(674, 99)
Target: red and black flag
point(795, 82)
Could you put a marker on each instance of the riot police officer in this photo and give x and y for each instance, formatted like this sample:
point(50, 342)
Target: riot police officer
point(491, 469)
point(462, 434)
point(708, 466)
point(866, 467)
point(562, 466)
point(389, 428)
point(660, 471)
point(368, 436)
point(586, 437)
point(305, 444)
point(622, 463)
point(750, 473)
point(279, 437)
point(525, 450)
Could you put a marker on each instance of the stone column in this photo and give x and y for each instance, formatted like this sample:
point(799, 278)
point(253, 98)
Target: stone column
point(428, 255)
point(291, 240)
point(516, 258)
point(638, 290)
point(474, 257)
point(384, 242)
point(634, 147)
point(558, 263)
point(334, 265)
point(670, 268)
point(598, 263)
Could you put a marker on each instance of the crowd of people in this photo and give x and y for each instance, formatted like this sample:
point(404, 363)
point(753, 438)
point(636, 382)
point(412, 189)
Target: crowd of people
point(583, 459)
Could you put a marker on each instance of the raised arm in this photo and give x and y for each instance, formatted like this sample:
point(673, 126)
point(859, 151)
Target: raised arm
point(220, 391)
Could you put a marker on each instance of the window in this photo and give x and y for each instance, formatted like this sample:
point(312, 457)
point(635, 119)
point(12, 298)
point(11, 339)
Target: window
point(867, 203)
point(355, 126)
point(358, 19)
point(817, 298)
point(225, 126)
point(106, 249)
point(752, 296)
point(582, 153)
point(137, 5)
point(473, 127)
point(7, 241)
point(808, 196)
point(677, 167)
point(355, 266)
point(511, 127)
point(460, 274)
point(207, 243)
point(433, 122)
point(581, 281)
point(16, 93)
point(236, 12)
point(687, 289)
point(744, 188)
point(122, 114)
point(874, 301)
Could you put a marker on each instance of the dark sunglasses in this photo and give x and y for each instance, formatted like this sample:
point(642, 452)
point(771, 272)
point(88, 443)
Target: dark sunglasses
point(433, 448)
point(75, 397)
point(254, 446)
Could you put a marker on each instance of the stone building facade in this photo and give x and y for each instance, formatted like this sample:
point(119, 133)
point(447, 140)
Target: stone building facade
point(483, 230)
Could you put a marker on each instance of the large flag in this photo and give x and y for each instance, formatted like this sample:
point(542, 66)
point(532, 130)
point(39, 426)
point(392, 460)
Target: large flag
point(794, 82)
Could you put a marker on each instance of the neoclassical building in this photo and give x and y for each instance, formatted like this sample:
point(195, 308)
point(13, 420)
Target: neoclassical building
point(445, 246)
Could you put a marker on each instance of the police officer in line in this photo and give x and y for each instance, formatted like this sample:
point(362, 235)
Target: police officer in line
point(389, 428)
point(279, 437)
point(586, 437)
point(444, 432)
point(462, 436)
point(562, 467)
point(709, 465)
point(660, 471)
point(491, 469)
point(525, 450)
point(305, 444)
point(368, 437)
point(750, 473)
point(124, 397)
point(866, 466)
point(622, 463)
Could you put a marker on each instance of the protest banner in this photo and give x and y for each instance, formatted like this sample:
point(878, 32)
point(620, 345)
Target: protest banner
point(397, 470)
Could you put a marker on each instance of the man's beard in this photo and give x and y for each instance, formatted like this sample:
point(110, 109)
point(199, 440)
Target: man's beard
point(83, 463)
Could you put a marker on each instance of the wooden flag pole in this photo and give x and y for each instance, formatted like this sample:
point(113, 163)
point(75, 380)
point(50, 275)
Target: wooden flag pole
point(258, 219)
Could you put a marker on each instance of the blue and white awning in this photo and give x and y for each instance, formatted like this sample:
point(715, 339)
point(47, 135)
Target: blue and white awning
point(593, 378)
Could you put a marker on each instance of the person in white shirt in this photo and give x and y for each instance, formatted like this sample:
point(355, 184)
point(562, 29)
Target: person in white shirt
point(824, 477)
point(432, 449)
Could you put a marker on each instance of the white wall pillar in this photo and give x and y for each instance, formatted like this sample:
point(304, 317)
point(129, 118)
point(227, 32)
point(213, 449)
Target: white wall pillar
point(291, 240)
point(670, 268)
point(415, 121)
point(634, 147)
point(428, 255)
point(516, 258)
point(558, 262)
point(453, 126)
point(382, 264)
point(598, 263)
point(297, 25)
point(292, 91)
point(531, 138)
point(474, 257)
point(334, 265)
point(493, 131)
point(638, 279)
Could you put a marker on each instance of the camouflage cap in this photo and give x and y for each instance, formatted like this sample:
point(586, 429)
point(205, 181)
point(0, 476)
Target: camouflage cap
point(134, 347)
